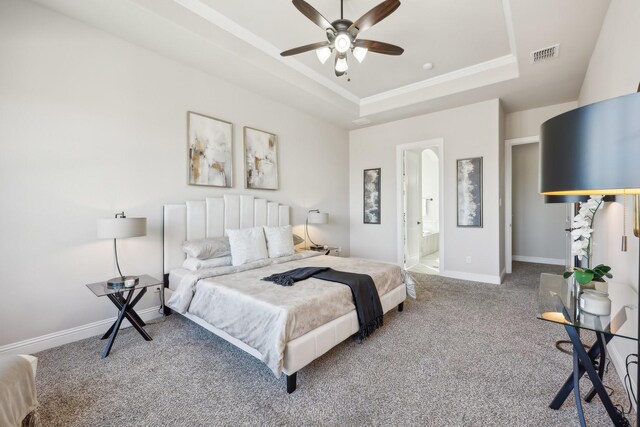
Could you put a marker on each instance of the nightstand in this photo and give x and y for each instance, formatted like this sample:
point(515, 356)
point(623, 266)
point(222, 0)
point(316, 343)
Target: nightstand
point(327, 250)
point(123, 299)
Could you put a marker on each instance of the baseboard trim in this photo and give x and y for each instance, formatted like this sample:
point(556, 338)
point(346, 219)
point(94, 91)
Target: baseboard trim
point(503, 274)
point(538, 260)
point(473, 277)
point(55, 339)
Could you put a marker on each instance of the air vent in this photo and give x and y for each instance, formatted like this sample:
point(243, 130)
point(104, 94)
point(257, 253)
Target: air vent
point(542, 55)
point(361, 121)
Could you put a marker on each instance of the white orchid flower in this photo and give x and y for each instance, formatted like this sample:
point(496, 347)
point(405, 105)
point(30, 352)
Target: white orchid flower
point(580, 223)
point(584, 232)
point(579, 249)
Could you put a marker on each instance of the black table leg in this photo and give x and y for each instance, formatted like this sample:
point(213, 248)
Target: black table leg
point(576, 388)
point(584, 360)
point(118, 300)
point(567, 387)
point(128, 314)
point(132, 304)
point(121, 314)
point(601, 364)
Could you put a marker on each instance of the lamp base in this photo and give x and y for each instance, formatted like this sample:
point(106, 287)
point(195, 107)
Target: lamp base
point(122, 282)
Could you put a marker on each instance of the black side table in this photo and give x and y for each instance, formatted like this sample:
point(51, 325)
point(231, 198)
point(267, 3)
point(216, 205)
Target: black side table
point(123, 299)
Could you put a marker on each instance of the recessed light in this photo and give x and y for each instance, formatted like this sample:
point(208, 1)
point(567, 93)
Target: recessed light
point(427, 66)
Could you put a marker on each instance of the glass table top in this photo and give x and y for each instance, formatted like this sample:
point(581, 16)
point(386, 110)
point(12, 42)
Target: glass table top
point(100, 288)
point(557, 304)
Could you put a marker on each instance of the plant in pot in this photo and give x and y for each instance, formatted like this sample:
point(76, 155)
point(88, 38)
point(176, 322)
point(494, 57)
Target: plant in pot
point(581, 234)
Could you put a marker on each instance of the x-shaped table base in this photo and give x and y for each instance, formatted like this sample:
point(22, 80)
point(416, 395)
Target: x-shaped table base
point(583, 362)
point(125, 310)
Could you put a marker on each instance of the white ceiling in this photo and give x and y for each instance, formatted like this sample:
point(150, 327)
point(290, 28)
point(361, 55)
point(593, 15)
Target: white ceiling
point(479, 48)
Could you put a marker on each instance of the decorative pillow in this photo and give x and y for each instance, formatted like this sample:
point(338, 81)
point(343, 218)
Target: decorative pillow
point(194, 264)
point(297, 240)
point(279, 241)
point(213, 247)
point(247, 245)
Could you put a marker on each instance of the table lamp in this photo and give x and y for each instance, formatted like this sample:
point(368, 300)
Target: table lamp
point(594, 149)
point(314, 216)
point(121, 227)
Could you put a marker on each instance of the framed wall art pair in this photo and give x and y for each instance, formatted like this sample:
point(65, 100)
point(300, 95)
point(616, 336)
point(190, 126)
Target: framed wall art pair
point(210, 151)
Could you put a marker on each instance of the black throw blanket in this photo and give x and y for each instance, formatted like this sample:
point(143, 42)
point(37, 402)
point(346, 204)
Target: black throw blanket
point(365, 294)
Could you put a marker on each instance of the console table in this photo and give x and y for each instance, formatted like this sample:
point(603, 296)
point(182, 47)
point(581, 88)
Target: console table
point(557, 304)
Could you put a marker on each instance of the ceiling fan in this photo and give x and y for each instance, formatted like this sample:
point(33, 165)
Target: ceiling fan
point(342, 35)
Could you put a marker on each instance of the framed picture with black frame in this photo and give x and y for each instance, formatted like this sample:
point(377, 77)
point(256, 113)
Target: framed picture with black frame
point(371, 195)
point(469, 200)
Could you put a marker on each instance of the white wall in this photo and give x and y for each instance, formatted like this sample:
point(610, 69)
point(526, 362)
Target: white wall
point(468, 131)
point(525, 123)
point(538, 227)
point(614, 70)
point(90, 125)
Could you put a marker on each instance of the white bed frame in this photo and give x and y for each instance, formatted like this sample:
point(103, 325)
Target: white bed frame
point(209, 218)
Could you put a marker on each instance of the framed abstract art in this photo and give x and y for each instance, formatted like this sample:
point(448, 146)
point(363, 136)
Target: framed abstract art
point(260, 159)
point(469, 180)
point(210, 145)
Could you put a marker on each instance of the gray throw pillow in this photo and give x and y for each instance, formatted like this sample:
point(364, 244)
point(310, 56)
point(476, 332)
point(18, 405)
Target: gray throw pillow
point(212, 247)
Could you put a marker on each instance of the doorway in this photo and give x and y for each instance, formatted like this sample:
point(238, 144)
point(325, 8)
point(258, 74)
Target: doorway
point(421, 173)
point(534, 230)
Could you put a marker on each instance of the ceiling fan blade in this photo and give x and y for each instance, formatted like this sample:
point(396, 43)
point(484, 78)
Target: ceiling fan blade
point(375, 15)
point(305, 48)
point(315, 16)
point(379, 47)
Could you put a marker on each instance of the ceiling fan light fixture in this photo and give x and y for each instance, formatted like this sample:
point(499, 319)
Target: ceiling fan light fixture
point(359, 53)
point(323, 54)
point(342, 42)
point(341, 65)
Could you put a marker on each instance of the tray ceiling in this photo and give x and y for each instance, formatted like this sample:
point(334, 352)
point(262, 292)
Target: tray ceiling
point(480, 50)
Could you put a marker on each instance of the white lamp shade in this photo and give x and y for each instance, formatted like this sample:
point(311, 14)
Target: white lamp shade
point(323, 54)
point(318, 218)
point(341, 65)
point(360, 53)
point(118, 228)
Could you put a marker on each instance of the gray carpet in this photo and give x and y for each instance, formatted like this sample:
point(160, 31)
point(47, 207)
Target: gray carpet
point(463, 354)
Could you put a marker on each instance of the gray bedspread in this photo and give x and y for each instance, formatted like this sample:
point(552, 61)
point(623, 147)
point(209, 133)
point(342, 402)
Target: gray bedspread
point(266, 316)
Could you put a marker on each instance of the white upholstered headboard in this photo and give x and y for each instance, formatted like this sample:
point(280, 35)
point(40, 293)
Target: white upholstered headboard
point(210, 218)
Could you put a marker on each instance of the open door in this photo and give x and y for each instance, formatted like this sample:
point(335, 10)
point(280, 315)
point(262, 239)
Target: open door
point(412, 198)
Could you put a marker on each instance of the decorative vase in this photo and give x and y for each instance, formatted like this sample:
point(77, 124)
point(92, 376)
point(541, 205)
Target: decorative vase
point(595, 302)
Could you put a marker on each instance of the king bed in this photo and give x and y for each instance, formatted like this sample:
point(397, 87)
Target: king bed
point(286, 327)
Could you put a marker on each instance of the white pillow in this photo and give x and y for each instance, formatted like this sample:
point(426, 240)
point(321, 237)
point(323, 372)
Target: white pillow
point(279, 241)
point(194, 264)
point(247, 245)
point(212, 247)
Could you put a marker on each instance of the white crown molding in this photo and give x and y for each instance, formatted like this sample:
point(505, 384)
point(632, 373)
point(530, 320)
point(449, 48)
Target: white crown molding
point(472, 70)
point(508, 22)
point(230, 26)
point(55, 339)
point(498, 64)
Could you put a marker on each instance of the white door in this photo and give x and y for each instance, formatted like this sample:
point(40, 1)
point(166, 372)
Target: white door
point(412, 208)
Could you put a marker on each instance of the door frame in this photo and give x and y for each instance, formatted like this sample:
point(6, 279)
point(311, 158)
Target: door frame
point(436, 142)
point(508, 199)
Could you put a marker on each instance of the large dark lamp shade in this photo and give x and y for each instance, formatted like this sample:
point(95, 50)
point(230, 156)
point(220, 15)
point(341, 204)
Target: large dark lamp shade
point(593, 149)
